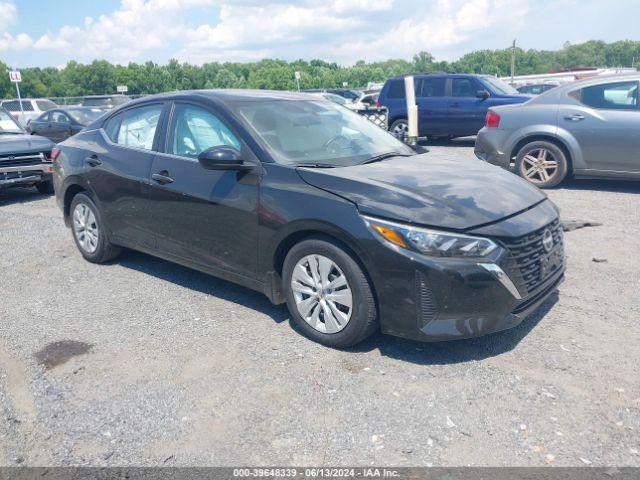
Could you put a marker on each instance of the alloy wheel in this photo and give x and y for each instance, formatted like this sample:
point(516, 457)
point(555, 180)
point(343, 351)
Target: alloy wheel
point(401, 129)
point(539, 166)
point(85, 228)
point(322, 293)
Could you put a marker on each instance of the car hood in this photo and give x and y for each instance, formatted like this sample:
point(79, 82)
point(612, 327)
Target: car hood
point(430, 190)
point(17, 144)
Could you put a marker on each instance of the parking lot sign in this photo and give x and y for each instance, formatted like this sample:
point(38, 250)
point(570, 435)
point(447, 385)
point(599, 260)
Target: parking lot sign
point(15, 77)
point(122, 89)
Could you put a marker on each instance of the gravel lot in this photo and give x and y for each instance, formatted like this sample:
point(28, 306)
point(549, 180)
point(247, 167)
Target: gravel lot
point(161, 365)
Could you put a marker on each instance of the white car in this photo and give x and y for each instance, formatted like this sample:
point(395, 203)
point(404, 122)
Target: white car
point(32, 108)
point(364, 101)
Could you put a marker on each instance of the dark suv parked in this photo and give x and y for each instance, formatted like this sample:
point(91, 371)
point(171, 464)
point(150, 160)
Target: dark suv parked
point(449, 105)
point(312, 204)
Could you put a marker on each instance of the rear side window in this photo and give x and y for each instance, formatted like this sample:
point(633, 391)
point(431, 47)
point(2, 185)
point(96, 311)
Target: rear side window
point(59, 117)
point(430, 87)
point(462, 87)
point(396, 89)
point(614, 96)
point(135, 128)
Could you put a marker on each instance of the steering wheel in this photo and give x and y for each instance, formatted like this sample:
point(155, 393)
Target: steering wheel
point(335, 144)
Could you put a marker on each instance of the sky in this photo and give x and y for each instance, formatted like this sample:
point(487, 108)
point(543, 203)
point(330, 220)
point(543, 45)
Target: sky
point(53, 32)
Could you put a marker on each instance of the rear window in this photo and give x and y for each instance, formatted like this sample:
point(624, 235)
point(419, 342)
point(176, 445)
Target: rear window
point(14, 106)
point(396, 89)
point(45, 105)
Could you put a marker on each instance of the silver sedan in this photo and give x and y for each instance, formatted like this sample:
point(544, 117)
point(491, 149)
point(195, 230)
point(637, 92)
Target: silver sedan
point(589, 128)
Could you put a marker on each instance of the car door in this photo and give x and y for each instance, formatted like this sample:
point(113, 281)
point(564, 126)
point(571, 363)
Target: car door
point(118, 169)
point(432, 105)
point(466, 111)
point(605, 120)
point(39, 126)
point(59, 127)
point(204, 217)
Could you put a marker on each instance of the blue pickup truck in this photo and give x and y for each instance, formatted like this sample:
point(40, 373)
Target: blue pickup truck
point(449, 105)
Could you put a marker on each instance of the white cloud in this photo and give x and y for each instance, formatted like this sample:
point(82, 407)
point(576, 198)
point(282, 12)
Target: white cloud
point(336, 30)
point(8, 15)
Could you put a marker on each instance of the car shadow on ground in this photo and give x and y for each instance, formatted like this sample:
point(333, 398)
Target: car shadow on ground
point(11, 196)
point(462, 142)
point(440, 353)
point(615, 186)
point(201, 282)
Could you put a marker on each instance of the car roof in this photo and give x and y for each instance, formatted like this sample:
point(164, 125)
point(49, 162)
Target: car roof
point(438, 74)
point(226, 96)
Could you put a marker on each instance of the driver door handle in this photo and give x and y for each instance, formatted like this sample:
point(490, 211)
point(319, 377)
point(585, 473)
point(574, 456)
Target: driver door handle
point(574, 118)
point(162, 178)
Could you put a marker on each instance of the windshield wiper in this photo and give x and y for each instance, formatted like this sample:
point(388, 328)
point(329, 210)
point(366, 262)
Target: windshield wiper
point(316, 165)
point(384, 156)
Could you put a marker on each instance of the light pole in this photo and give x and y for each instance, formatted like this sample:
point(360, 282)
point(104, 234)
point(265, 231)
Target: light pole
point(513, 60)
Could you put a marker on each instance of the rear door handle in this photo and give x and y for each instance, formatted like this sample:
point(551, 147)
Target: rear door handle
point(574, 118)
point(93, 161)
point(162, 178)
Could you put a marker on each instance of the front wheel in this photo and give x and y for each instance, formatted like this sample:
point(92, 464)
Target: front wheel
point(542, 163)
point(89, 231)
point(328, 295)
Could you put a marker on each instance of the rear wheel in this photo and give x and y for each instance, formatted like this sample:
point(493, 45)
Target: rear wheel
point(89, 232)
point(328, 294)
point(400, 128)
point(542, 163)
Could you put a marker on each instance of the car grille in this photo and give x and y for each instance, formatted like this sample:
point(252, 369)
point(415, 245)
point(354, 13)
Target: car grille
point(23, 160)
point(526, 253)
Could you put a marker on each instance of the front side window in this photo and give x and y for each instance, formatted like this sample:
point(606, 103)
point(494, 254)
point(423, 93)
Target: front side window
point(317, 133)
point(136, 127)
point(462, 87)
point(195, 130)
point(616, 96)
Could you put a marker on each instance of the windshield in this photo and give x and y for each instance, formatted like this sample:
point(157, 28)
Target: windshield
point(8, 124)
point(498, 86)
point(308, 132)
point(85, 115)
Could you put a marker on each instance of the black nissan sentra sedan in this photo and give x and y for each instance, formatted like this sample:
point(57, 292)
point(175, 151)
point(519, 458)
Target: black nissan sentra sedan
point(315, 206)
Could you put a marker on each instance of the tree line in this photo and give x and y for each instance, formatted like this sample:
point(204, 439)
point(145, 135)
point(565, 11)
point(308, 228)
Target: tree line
point(101, 77)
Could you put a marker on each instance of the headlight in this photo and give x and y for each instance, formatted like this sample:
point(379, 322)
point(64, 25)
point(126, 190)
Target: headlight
point(431, 242)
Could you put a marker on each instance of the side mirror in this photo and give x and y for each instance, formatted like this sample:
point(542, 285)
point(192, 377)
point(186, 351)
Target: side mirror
point(482, 94)
point(222, 158)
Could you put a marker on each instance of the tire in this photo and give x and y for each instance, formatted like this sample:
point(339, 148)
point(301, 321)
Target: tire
point(45, 188)
point(100, 250)
point(534, 163)
point(400, 128)
point(363, 318)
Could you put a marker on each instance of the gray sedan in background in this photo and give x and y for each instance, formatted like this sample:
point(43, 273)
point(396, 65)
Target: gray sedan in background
point(589, 128)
